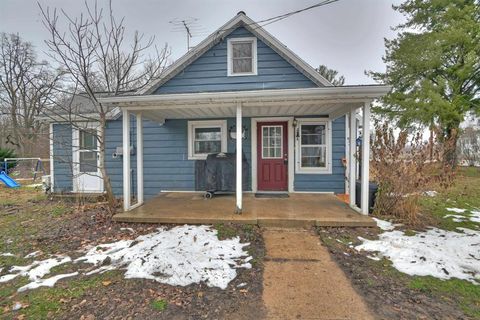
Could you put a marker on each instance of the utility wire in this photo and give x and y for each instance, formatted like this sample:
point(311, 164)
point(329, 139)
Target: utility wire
point(289, 14)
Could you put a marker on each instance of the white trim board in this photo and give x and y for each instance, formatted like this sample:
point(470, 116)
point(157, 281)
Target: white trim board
point(192, 125)
point(329, 146)
point(52, 166)
point(230, 43)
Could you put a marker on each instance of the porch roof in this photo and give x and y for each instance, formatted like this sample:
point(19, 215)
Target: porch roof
point(328, 101)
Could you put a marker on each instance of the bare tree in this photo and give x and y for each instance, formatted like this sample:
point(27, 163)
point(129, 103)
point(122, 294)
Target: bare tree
point(469, 147)
point(26, 88)
point(99, 61)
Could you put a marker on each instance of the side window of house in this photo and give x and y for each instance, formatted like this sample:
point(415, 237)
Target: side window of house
point(206, 137)
point(242, 56)
point(313, 147)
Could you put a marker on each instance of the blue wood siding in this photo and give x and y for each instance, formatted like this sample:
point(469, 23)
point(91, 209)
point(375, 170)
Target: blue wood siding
point(62, 159)
point(165, 156)
point(334, 182)
point(166, 164)
point(209, 72)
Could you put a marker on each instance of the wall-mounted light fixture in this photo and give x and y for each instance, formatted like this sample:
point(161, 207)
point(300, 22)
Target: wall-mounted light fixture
point(232, 132)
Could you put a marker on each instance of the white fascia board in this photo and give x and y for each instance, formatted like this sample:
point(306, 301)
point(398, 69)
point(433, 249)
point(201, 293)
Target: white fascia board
point(360, 93)
point(113, 114)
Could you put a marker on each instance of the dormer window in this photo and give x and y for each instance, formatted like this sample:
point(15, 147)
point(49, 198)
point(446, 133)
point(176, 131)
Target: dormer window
point(242, 56)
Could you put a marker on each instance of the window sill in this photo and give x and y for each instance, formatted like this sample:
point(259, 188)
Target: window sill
point(241, 74)
point(198, 157)
point(314, 171)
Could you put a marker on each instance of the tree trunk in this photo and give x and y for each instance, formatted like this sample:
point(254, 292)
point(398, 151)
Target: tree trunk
point(450, 147)
point(106, 179)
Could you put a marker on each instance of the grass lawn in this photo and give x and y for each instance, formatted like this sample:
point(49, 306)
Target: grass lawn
point(30, 222)
point(395, 295)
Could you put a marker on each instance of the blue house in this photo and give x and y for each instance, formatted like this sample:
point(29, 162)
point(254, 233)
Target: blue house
point(298, 131)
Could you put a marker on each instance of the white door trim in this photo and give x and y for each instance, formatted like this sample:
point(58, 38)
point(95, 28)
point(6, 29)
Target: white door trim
point(291, 149)
point(75, 157)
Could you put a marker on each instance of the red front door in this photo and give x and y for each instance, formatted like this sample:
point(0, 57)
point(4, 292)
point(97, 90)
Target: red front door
point(272, 156)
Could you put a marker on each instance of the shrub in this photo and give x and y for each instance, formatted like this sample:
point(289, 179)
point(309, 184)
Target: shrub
point(7, 153)
point(404, 166)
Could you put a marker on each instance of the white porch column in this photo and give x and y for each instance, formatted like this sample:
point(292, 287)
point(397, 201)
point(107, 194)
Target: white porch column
point(139, 159)
point(126, 159)
point(352, 165)
point(365, 157)
point(239, 163)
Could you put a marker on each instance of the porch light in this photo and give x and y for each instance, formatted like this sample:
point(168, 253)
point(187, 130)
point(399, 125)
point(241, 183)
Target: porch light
point(232, 132)
point(295, 122)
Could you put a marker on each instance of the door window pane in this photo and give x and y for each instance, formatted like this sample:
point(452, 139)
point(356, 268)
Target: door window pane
point(88, 161)
point(272, 142)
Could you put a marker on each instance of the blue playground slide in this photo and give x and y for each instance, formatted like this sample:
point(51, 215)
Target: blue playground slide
point(9, 182)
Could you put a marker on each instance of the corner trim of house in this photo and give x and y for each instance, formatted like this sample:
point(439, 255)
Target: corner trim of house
point(52, 172)
point(291, 150)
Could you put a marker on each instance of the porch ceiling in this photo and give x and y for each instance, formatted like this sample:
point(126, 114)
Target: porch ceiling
point(273, 109)
point(328, 101)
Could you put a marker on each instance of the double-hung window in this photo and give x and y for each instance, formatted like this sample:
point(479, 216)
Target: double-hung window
point(242, 56)
point(205, 137)
point(313, 146)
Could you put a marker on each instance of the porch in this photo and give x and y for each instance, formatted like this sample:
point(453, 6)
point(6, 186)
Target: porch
point(298, 210)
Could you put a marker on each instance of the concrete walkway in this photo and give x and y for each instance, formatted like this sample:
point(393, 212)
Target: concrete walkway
point(301, 281)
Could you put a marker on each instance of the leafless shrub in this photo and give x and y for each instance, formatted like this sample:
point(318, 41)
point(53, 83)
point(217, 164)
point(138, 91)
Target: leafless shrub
point(403, 169)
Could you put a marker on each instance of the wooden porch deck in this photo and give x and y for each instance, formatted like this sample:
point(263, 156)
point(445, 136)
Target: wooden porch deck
point(298, 210)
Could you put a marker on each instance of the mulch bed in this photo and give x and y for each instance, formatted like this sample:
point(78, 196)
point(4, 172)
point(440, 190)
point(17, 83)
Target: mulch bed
point(385, 291)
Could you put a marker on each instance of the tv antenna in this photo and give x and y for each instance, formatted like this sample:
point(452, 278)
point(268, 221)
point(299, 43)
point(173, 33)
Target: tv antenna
point(190, 26)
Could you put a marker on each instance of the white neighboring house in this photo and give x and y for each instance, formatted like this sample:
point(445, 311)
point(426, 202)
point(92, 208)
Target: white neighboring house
point(469, 142)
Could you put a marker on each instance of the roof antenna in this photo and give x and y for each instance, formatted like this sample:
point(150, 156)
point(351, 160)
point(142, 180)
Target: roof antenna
point(188, 25)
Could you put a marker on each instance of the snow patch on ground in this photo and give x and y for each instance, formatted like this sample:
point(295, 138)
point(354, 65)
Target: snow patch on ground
point(179, 256)
point(431, 193)
point(472, 215)
point(7, 254)
point(36, 270)
point(384, 225)
point(438, 253)
point(456, 210)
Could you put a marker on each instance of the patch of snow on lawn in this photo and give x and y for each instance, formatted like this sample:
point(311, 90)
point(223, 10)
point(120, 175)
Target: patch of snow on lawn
point(49, 282)
point(179, 256)
point(384, 225)
point(7, 254)
point(456, 210)
point(431, 193)
point(36, 270)
point(456, 217)
point(438, 253)
point(475, 216)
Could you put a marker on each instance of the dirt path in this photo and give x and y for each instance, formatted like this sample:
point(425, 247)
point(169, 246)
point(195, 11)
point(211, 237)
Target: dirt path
point(302, 282)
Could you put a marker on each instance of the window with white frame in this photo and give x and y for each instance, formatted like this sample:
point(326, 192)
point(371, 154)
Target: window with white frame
point(242, 56)
point(206, 137)
point(313, 146)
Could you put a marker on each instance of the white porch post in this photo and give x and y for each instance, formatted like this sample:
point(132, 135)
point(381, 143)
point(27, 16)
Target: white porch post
point(353, 161)
point(139, 158)
point(239, 163)
point(365, 157)
point(126, 159)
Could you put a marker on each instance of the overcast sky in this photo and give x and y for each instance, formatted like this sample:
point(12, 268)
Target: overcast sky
point(346, 35)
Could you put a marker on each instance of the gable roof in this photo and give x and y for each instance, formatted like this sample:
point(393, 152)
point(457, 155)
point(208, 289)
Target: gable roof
point(240, 20)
